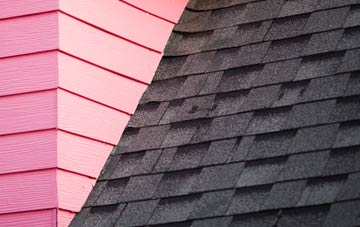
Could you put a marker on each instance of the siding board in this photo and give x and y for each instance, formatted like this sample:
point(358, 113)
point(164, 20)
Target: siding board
point(11, 8)
point(40, 218)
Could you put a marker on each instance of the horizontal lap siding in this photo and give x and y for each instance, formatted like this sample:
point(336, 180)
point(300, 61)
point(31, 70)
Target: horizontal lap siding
point(106, 50)
point(123, 20)
point(28, 34)
point(11, 8)
point(64, 218)
point(39, 218)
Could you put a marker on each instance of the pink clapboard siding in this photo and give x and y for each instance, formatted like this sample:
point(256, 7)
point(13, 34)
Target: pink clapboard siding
point(64, 218)
point(106, 50)
point(170, 9)
point(11, 8)
point(28, 73)
point(39, 218)
point(35, 190)
point(28, 34)
point(121, 19)
point(101, 85)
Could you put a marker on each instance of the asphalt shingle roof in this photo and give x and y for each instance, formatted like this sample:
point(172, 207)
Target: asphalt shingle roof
point(252, 120)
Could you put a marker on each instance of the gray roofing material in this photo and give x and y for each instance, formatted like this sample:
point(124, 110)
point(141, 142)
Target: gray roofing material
point(252, 120)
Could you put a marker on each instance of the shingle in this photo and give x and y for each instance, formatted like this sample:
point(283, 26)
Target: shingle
point(327, 87)
point(346, 109)
point(261, 172)
point(291, 93)
point(197, 63)
point(137, 213)
point(224, 59)
point(141, 187)
point(319, 65)
point(304, 217)
point(353, 18)
point(249, 199)
point(126, 140)
point(353, 87)
point(218, 152)
point(271, 145)
point(351, 61)
point(180, 134)
point(323, 42)
point(287, 27)
point(343, 161)
point(321, 191)
point(188, 157)
point(212, 204)
point(223, 127)
point(225, 17)
point(95, 192)
point(237, 79)
point(259, 98)
point(221, 38)
point(310, 114)
point(192, 86)
point(173, 209)
point(162, 90)
point(242, 148)
point(149, 138)
point(343, 214)
point(285, 194)
point(177, 183)
point(218, 177)
point(286, 49)
point(268, 120)
point(192, 43)
point(80, 217)
point(350, 39)
point(192, 21)
point(211, 83)
point(305, 165)
point(251, 54)
point(148, 114)
point(351, 189)
point(112, 192)
point(165, 159)
point(325, 4)
point(212, 222)
point(169, 67)
point(259, 219)
point(327, 20)
point(294, 7)
point(103, 216)
point(314, 138)
point(109, 166)
point(348, 135)
point(228, 103)
point(262, 10)
point(278, 72)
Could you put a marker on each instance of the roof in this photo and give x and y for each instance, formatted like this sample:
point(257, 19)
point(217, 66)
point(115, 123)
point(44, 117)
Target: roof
point(252, 119)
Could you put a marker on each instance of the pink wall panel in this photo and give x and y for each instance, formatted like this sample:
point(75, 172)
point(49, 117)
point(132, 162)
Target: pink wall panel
point(73, 189)
point(40, 218)
point(169, 9)
point(81, 155)
point(26, 191)
point(101, 85)
point(123, 20)
point(11, 8)
point(28, 73)
point(64, 218)
point(84, 117)
point(108, 51)
point(28, 112)
point(28, 151)
point(22, 35)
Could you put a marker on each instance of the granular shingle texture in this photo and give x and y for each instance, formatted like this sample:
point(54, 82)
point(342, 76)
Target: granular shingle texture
point(252, 120)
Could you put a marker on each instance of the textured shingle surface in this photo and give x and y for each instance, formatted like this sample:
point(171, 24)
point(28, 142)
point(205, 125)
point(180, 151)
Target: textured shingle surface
point(252, 120)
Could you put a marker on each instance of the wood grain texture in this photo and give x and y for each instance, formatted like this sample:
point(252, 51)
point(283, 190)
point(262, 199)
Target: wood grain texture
point(81, 155)
point(64, 218)
point(73, 189)
point(84, 117)
point(98, 84)
point(28, 151)
point(28, 112)
point(108, 51)
point(28, 73)
point(10, 8)
point(170, 9)
point(39, 218)
point(28, 34)
point(27, 191)
point(123, 20)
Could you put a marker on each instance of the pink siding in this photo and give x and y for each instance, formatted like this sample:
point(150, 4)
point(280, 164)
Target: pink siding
point(11, 8)
point(20, 35)
point(64, 218)
point(101, 85)
point(123, 20)
point(28, 73)
point(170, 9)
point(40, 218)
